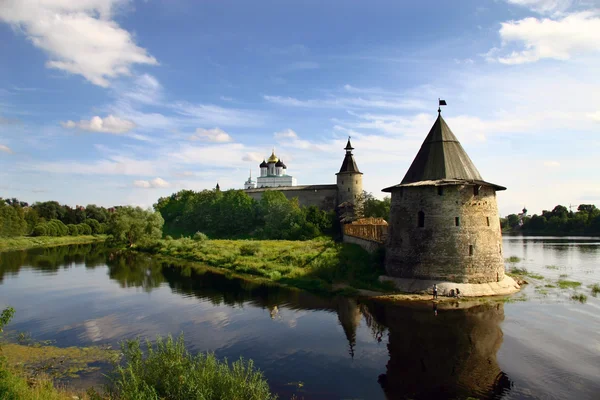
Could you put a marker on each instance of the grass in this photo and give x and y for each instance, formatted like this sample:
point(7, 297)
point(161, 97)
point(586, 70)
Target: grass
point(595, 289)
point(563, 276)
point(580, 297)
point(552, 267)
point(28, 242)
point(168, 371)
point(313, 265)
point(513, 259)
point(563, 284)
point(15, 386)
point(520, 272)
point(58, 362)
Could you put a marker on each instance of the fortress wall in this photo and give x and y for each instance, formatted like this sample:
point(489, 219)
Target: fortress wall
point(322, 196)
point(369, 245)
point(440, 250)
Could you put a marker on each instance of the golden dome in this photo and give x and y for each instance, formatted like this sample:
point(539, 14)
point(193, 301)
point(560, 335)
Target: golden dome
point(273, 158)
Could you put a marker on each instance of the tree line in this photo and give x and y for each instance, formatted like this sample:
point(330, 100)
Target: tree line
point(233, 214)
point(559, 221)
point(50, 218)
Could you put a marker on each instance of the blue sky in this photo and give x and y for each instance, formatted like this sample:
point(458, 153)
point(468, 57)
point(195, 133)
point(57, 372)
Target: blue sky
point(120, 101)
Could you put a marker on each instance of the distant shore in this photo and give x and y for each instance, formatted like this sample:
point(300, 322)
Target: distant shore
point(30, 242)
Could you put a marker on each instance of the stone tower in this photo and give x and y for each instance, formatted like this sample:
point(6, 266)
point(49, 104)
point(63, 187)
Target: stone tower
point(444, 223)
point(349, 179)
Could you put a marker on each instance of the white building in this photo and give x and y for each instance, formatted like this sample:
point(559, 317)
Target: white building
point(273, 173)
point(250, 184)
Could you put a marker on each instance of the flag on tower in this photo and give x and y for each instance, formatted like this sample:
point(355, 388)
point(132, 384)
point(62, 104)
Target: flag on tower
point(442, 102)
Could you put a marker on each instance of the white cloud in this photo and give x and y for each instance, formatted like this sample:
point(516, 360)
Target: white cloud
point(345, 102)
point(5, 149)
point(254, 157)
point(551, 164)
point(594, 116)
point(544, 6)
point(145, 89)
point(109, 124)
point(154, 183)
point(561, 39)
point(208, 114)
point(79, 36)
point(215, 135)
point(115, 165)
point(287, 133)
point(141, 184)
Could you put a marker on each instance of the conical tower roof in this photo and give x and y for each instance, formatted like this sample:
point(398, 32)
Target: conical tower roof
point(442, 160)
point(349, 165)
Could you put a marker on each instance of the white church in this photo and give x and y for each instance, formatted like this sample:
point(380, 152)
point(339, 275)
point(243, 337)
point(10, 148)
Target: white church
point(273, 173)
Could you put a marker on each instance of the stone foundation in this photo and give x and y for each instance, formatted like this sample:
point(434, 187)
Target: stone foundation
point(423, 286)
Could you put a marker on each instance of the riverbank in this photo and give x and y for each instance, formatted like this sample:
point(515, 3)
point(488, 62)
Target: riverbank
point(314, 265)
point(29, 242)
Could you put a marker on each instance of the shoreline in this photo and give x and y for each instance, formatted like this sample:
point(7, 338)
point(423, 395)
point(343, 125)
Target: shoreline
point(31, 242)
point(208, 256)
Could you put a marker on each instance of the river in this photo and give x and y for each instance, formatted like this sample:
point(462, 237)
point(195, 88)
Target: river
point(540, 344)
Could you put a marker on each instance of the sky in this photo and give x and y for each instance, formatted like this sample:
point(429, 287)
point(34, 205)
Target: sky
point(115, 102)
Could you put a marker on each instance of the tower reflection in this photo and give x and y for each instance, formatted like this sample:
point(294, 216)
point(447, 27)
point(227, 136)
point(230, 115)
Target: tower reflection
point(448, 355)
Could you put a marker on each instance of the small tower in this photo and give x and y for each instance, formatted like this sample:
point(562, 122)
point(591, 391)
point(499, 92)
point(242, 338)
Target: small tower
point(218, 188)
point(349, 179)
point(444, 223)
point(271, 162)
point(264, 168)
point(249, 184)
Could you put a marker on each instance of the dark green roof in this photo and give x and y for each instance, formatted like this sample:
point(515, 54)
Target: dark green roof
point(442, 159)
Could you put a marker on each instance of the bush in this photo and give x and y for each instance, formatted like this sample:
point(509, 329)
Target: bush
point(56, 227)
point(94, 225)
point(169, 372)
point(250, 249)
point(200, 237)
point(84, 229)
point(73, 230)
point(168, 237)
point(39, 230)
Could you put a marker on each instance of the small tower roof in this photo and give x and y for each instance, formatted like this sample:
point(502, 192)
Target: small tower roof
point(442, 159)
point(279, 164)
point(349, 165)
point(348, 145)
point(264, 164)
point(273, 158)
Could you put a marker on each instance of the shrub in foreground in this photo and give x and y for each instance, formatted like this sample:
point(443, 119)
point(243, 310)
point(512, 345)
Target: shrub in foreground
point(168, 371)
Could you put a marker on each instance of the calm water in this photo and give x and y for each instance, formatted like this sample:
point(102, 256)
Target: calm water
point(543, 346)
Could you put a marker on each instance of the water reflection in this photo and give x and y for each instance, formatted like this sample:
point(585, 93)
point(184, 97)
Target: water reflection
point(432, 351)
point(451, 354)
point(51, 259)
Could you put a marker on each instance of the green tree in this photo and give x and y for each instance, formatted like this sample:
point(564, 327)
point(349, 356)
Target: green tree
point(100, 214)
point(50, 210)
point(94, 225)
point(12, 219)
point(130, 224)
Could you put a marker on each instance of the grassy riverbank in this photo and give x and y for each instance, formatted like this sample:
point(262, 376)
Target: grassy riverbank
point(314, 265)
point(28, 242)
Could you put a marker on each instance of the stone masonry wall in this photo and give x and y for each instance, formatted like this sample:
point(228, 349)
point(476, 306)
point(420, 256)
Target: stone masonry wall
point(350, 186)
point(322, 196)
point(368, 245)
point(469, 253)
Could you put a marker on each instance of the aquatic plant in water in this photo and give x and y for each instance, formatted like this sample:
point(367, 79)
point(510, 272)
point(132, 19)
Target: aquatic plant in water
point(564, 284)
point(580, 297)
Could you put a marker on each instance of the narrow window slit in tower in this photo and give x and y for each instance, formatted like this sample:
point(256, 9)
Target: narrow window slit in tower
point(476, 190)
point(348, 189)
point(457, 221)
point(488, 220)
point(421, 219)
point(470, 249)
point(440, 191)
